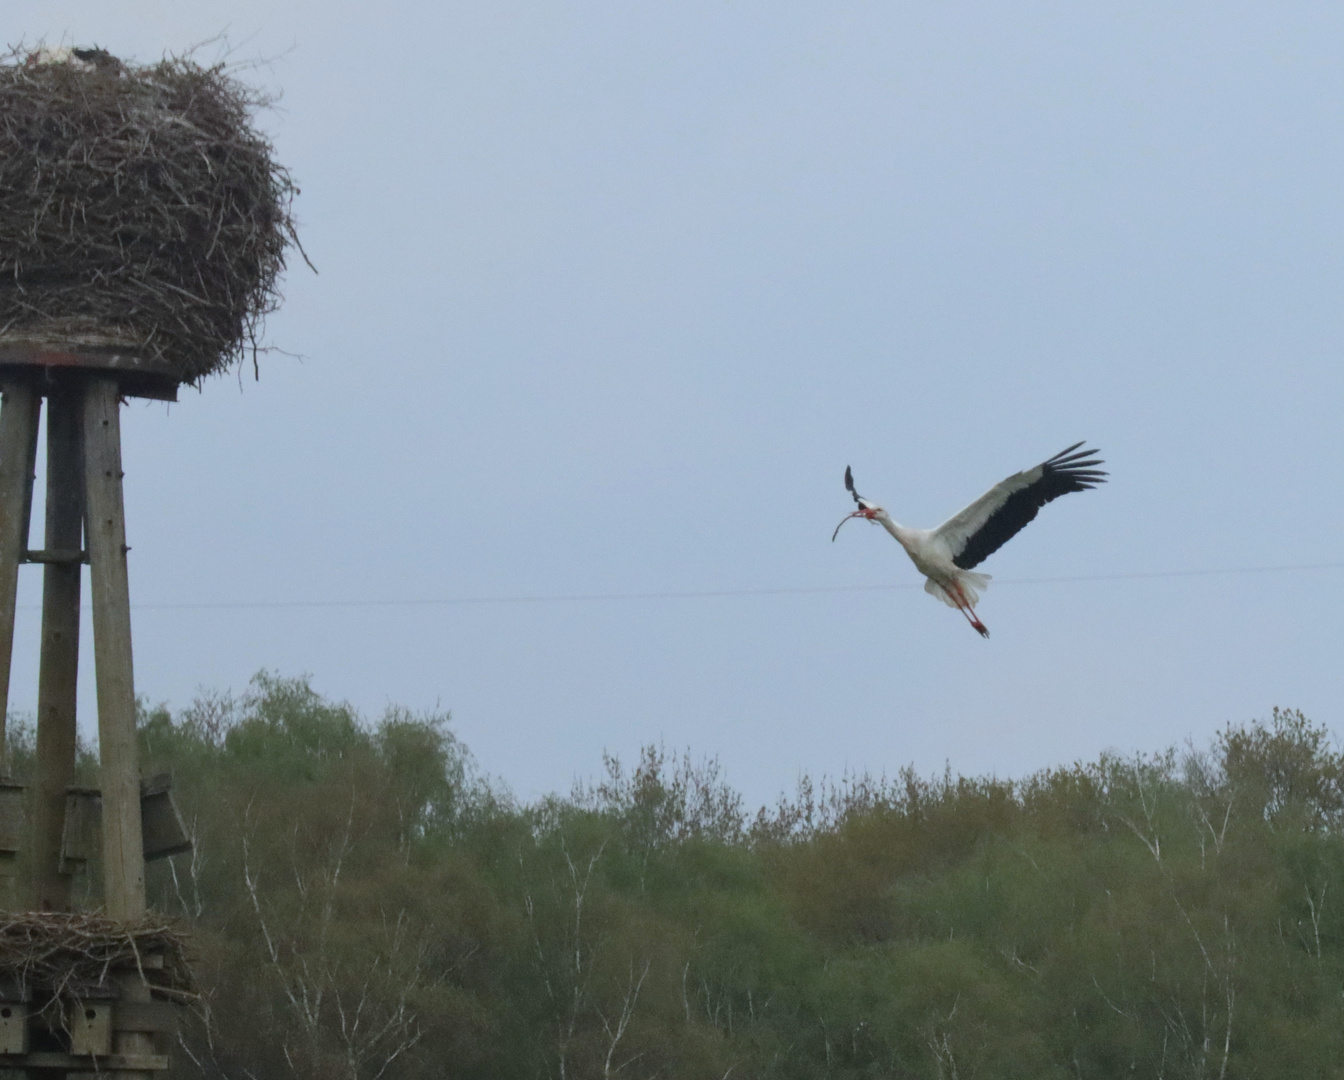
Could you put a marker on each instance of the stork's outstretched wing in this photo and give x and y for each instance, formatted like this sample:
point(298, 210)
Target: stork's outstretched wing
point(1005, 509)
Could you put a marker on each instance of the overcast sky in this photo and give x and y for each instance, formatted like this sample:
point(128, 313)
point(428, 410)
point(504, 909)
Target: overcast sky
point(611, 293)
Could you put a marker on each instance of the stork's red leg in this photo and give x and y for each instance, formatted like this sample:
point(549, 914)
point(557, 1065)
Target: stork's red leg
point(964, 606)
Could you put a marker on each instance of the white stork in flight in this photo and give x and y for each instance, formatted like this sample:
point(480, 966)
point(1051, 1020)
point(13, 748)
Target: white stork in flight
point(946, 555)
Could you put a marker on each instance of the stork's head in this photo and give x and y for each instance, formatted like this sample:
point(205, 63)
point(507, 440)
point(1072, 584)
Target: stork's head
point(867, 509)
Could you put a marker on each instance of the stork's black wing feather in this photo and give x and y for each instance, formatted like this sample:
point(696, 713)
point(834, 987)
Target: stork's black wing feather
point(1020, 498)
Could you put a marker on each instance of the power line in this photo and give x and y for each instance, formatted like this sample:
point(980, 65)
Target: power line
point(696, 594)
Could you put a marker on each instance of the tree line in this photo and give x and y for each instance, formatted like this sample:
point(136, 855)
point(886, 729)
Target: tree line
point(364, 904)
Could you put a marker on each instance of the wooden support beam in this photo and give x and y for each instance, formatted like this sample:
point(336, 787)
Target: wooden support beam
point(18, 447)
point(134, 1044)
point(56, 555)
point(123, 856)
point(59, 665)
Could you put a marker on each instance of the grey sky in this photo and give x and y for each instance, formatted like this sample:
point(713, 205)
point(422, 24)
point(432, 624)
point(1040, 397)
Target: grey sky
point(611, 294)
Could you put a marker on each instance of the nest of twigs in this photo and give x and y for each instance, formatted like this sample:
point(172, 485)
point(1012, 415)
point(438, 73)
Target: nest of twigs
point(53, 954)
point(139, 207)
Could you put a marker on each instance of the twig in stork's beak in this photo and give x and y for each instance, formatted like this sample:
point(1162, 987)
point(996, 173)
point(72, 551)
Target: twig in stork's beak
point(857, 513)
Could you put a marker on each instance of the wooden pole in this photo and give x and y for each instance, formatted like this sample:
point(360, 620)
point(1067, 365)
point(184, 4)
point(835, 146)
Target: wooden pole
point(59, 665)
point(123, 839)
point(123, 853)
point(18, 446)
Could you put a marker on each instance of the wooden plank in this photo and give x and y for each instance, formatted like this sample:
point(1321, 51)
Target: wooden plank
point(55, 555)
point(123, 856)
point(13, 837)
point(88, 357)
point(105, 1063)
point(58, 670)
point(139, 374)
point(80, 828)
point(13, 818)
point(165, 831)
point(155, 1017)
point(18, 430)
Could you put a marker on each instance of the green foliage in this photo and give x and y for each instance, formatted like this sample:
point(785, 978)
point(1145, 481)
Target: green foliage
point(365, 906)
point(1285, 772)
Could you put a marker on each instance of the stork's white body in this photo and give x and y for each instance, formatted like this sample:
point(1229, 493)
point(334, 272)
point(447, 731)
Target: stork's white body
point(932, 555)
point(933, 551)
point(946, 554)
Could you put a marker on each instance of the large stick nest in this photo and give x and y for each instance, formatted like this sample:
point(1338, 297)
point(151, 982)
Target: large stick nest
point(54, 953)
point(139, 207)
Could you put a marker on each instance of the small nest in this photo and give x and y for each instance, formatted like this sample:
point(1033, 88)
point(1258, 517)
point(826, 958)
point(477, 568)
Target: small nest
point(46, 954)
point(139, 208)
